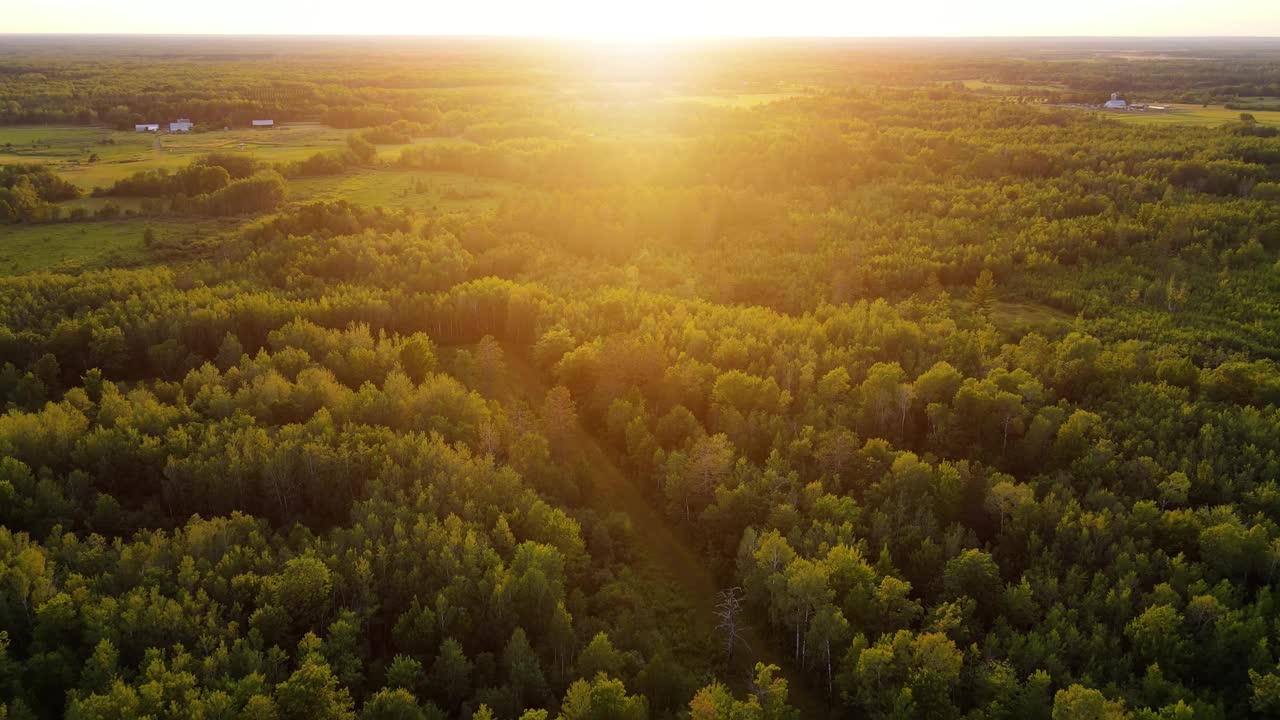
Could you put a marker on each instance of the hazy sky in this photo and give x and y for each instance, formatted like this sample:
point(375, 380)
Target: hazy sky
point(653, 18)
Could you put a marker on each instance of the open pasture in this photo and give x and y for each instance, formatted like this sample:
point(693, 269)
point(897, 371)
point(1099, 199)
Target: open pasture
point(745, 100)
point(1011, 88)
point(95, 156)
point(1183, 114)
point(78, 246)
point(422, 191)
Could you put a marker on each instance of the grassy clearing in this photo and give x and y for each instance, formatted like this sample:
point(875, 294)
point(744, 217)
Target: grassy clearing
point(102, 174)
point(51, 142)
point(395, 188)
point(121, 154)
point(1191, 115)
point(171, 151)
point(289, 142)
point(73, 146)
point(734, 101)
point(76, 246)
point(1267, 102)
point(71, 246)
point(1020, 316)
point(391, 153)
point(93, 204)
point(1005, 87)
point(1028, 316)
point(70, 149)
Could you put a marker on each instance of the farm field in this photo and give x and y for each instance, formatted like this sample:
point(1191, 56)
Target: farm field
point(1012, 88)
point(1183, 114)
point(121, 153)
point(1260, 100)
point(422, 191)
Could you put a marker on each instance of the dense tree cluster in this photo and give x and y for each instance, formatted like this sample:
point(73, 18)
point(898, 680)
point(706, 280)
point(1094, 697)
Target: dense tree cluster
point(31, 193)
point(216, 184)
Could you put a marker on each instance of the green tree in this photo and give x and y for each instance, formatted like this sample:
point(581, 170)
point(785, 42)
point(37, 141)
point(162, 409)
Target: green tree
point(524, 671)
point(1081, 703)
point(259, 707)
point(405, 672)
point(1157, 635)
point(1173, 489)
point(392, 704)
point(1005, 497)
point(1265, 692)
point(974, 573)
point(312, 692)
point(418, 357)
point(602, 698)
point(599, 656)
point(305, 590)
point(229, 352)
point(767, 700)
point(450, 676)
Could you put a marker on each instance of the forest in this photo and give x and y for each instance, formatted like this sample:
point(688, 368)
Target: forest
point(757, 382)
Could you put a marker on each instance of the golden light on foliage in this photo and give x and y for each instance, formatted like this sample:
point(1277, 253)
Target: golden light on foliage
point(634, 375)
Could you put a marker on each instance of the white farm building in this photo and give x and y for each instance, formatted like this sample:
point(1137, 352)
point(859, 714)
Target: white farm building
point(1115, 103)
point(264, 123)
point(181, 125)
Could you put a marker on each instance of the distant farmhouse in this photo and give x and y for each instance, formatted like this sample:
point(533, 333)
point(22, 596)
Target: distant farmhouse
point(1118, 103)
point(147, 127)
point(264, 123)
point(181, 125)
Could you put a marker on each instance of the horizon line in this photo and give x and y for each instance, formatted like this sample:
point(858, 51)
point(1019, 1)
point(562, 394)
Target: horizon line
point(660, 38)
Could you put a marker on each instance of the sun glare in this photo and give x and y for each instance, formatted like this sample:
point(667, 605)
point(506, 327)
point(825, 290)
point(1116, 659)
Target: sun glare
point(646, 23)
point(659, 20)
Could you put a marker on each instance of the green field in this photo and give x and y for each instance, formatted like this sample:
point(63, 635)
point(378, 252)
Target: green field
point(93, 204)
point(395, 188)
point(1005, 87)
point(1022, 316)
point(1179, 114)
point(390, 153)
point(734, 101)
point(119, 154)
point(76, 246)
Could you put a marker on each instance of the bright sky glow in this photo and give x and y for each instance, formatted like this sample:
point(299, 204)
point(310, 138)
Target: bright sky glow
point(653, 19)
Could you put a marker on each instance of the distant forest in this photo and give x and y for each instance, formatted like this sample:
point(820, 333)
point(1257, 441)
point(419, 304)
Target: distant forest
point(230, 81)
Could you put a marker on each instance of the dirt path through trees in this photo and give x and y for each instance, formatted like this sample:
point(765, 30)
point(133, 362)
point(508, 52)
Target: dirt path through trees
point(658, 543)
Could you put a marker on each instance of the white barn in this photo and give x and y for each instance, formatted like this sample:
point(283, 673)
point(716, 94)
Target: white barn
point(147, 127)
point(264, 123)
point(181, 125)
point(1115, 103)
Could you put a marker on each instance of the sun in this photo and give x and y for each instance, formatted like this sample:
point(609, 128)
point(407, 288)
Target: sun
point(636, 23)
